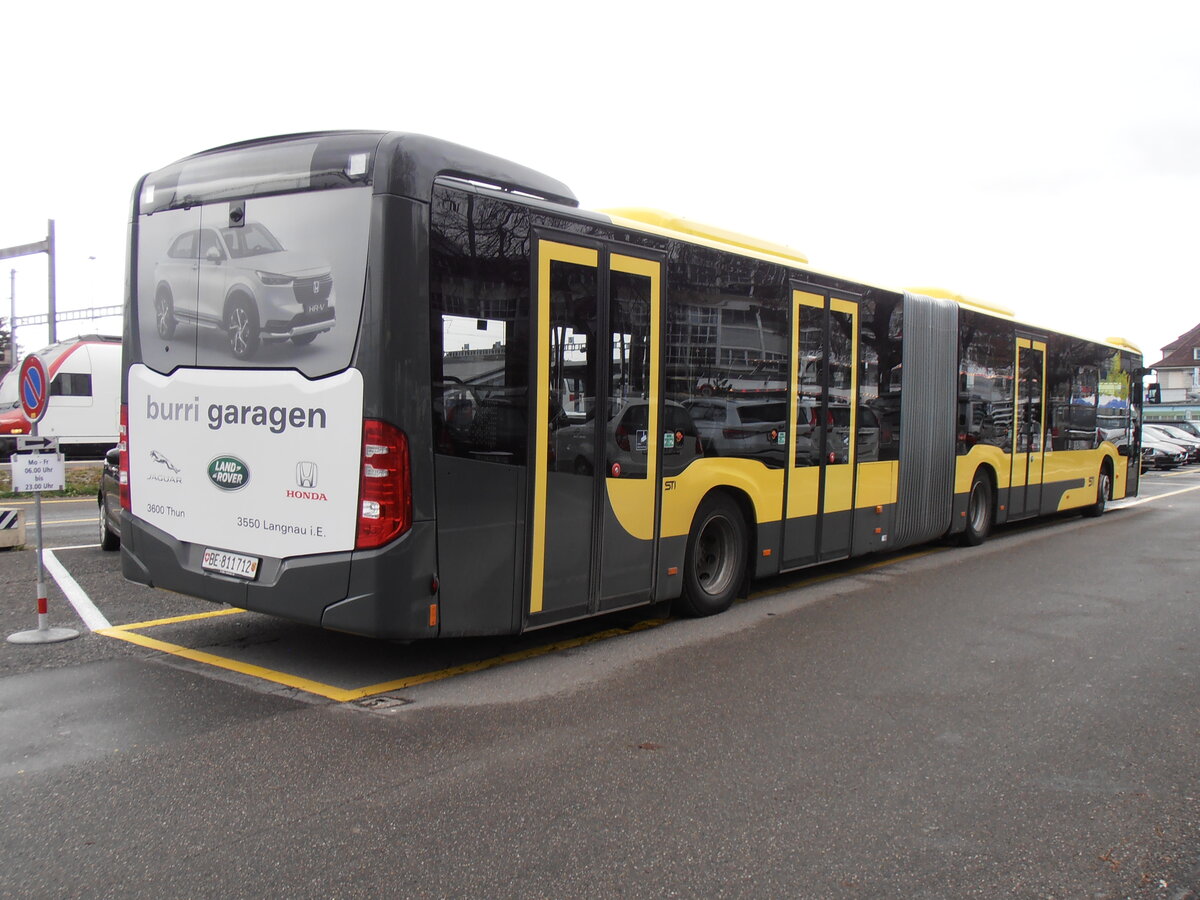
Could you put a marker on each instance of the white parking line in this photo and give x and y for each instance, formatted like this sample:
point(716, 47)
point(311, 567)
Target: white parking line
point(1140, 500)
point(92, 617)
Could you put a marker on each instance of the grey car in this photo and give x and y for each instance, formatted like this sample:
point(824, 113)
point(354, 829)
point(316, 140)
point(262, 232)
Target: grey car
point(242, 281)
point(109, 499)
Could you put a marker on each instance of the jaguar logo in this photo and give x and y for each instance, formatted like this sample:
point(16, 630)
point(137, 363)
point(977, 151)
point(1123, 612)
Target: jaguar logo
point(162, 460)
point(228, 473)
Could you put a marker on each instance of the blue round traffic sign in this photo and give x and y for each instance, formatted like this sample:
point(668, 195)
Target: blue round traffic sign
point(34, 388)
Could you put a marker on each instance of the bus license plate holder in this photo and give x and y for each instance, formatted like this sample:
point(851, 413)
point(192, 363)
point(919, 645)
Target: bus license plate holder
point(233, 564)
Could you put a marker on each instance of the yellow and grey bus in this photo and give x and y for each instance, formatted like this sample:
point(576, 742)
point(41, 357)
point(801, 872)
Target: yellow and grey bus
point(388, 385)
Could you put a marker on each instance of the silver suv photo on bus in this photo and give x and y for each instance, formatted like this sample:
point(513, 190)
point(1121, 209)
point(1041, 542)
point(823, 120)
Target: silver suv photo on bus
point(244, 283)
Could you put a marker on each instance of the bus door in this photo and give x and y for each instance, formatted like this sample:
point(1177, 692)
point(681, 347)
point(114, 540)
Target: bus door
point(820, 491)
point(1029, 429)
point(594, 507)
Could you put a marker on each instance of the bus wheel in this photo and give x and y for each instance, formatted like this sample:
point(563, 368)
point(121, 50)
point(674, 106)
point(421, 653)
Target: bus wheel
point(980, 512)
point(241, 321)
point(164, 313)
point(1103, 493)
point(715, 559)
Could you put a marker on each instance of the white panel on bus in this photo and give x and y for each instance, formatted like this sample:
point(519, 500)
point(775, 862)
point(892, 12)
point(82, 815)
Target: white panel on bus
point(264, 463)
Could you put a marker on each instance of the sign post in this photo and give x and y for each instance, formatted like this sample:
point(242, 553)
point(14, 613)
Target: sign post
point(37, 467)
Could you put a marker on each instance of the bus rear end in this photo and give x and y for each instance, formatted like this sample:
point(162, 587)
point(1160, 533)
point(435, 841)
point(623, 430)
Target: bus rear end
point(253, 473)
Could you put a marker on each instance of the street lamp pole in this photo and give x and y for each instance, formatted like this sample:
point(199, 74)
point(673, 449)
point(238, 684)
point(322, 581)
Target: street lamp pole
point(12, 319)
point(53, 319)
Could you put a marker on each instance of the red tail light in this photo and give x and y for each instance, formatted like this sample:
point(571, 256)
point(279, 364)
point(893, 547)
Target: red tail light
point(385, 498)
point(622, 437)
point(123, 465)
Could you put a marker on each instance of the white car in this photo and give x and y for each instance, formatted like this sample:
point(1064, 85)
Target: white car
point(242, 281)
point(754, 429)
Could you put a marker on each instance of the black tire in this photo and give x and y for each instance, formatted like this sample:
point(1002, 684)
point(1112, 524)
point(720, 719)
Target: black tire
point(164, 313)
point(1103, 494)
point(241, 323)
point(715, 562)
point(108, 539)
point(981, 511)
point(301, 340)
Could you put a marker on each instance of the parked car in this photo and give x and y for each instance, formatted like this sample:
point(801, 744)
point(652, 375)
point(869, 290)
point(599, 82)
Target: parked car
point(627, 441)
point(1156, 455)
point(1163, 435)
point(242, 281)
point(834, 424)
point(753, 429)
point(109, 499)
point(1179, 436)
point(1191, 426)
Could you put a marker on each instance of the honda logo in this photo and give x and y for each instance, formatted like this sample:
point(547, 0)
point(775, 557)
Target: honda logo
point(306, 474)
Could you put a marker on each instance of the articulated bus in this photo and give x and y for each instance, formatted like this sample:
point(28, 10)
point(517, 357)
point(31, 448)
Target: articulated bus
point(388, 385)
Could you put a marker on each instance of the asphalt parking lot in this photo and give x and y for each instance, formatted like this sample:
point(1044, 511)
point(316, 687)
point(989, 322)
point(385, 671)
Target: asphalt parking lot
point(115, 617)
point(866, 730)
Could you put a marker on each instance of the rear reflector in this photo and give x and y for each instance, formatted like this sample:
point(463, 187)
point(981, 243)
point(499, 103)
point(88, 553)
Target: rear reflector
point(385, 495)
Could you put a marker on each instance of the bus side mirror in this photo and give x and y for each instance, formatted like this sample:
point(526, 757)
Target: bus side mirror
point(1123, 450)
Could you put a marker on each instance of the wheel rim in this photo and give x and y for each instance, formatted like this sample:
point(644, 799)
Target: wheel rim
point(162, 316)
point(716, 553)
point(103, 516)
point(239, 324)
point(1105, 489)
point(978, 513)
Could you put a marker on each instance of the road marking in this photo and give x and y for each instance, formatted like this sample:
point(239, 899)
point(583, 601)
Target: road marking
point(191, 617)
point(92, 617)
point(1140, 500)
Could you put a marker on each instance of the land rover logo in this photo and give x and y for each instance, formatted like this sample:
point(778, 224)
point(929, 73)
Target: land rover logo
point(228, 473)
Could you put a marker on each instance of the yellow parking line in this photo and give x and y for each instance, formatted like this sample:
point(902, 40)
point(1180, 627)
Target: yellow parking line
point(232, 665)
point(342, 695)
point(483, 664)
point(154, 623)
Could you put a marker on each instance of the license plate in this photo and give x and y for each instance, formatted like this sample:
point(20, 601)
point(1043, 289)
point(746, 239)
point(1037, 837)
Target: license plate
point(230, 564)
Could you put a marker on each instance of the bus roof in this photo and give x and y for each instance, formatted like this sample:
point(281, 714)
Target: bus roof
point(687, 228)
point(394, 162)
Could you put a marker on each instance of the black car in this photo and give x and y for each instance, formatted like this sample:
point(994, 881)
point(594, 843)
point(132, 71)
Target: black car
point(109, 498)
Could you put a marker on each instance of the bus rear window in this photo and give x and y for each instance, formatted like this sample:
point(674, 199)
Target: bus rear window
point(262, 282)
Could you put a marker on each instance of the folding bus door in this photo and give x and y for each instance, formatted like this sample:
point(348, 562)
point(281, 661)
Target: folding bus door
point(820, 488)
point(593, 504)
point(1029, 429)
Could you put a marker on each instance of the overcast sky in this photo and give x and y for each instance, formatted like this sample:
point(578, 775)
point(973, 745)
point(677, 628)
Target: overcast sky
point(1043, 156)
